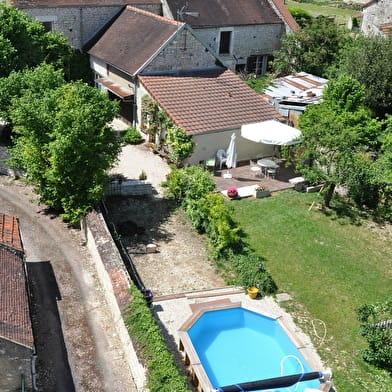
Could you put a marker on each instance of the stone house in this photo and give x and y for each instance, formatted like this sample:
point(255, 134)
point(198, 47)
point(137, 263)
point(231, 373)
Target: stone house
point(243, 34)
point(164, 60)
point(377, 17)
point(17, 353)
point(78, 20)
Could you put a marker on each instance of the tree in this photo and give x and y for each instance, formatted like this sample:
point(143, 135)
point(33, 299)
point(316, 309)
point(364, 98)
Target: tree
point(25, 44)
point(311, 49)
point(335, 134)
point(37, 81)
point(65, 145)
point(376, 327)
point(369, 60)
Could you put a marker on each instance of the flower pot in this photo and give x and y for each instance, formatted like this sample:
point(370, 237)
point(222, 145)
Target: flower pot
point(148, 296)
point(252, 292)
point(262, 193)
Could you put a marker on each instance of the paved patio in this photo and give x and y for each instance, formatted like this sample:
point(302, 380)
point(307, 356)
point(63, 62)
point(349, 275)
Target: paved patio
point(242, 177)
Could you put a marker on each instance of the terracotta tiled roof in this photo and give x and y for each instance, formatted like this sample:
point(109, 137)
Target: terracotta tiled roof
point(15, 323)
point(9, 232)
point(286, 15)
point(78, 3)
point(209, 101)
point(137, 35)
point(386, 29)
point(225, 13)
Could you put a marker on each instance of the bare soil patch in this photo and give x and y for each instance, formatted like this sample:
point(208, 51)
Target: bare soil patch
point(181, 263)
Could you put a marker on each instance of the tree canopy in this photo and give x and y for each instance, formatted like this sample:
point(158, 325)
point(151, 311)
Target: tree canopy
point(25, 44)
point(65, 146)
point(369, 60)
point(312, 48)
point(338, 134)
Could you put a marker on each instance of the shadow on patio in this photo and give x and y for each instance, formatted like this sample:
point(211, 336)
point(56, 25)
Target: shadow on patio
point(242, 177)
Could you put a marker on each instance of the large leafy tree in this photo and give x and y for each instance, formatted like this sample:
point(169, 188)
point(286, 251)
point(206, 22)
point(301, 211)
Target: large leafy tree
point(313, 49)
point(37, 81)
point(369, 60)
point(25, 44)
point(65, 145)
point(338, 135)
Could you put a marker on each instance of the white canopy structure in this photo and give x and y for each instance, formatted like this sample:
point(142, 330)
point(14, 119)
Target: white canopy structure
point(271, 132)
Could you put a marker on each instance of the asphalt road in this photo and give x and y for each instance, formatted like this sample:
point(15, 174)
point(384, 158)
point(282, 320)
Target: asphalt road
point(78, 348)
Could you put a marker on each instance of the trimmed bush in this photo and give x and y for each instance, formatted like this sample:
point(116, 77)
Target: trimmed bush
point(132, 136)
point(163, 375)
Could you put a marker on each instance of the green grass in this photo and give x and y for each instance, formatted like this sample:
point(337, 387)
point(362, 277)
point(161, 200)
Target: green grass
point(330, 264)
point(315, 8)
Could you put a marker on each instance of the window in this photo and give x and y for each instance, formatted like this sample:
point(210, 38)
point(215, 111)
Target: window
point(225, 42)
point(48, 26)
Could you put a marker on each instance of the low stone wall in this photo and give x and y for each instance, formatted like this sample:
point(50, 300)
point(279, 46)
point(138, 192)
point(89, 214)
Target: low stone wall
point(115, 281)
point(129, 188)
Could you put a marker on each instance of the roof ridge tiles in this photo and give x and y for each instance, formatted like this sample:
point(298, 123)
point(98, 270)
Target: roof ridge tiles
point(159, 17)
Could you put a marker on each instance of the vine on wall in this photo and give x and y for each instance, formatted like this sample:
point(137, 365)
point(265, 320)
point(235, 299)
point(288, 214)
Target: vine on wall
point(163, 134)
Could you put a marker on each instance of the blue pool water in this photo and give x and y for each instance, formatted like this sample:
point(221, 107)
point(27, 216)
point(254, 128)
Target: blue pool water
point(237, 345)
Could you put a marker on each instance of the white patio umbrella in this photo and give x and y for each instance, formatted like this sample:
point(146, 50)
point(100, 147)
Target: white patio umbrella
point(231, 155)
point(271, 132)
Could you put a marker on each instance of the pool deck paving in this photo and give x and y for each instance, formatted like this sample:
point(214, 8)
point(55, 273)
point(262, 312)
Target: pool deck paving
point(173, 312)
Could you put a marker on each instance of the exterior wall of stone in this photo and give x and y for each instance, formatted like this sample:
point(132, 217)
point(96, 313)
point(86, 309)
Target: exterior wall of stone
point(246, 41)
point(79, 24)
point(184, 52)
point(15, 360)
point(376, 15)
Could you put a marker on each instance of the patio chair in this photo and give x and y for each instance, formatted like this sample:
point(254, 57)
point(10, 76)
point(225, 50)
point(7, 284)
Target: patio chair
point(271, 172)
point(221, 157)
point(255, 169)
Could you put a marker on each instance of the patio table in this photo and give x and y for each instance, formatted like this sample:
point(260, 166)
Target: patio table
point(267, 164)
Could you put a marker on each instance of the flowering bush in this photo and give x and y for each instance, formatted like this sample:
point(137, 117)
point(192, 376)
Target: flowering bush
point(232, 191)
point(261, 188)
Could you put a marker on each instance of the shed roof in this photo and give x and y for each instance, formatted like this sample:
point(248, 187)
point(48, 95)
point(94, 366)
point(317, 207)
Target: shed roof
point(137, 35)
point(15, 323)
point(9, 232)
point(210, 101)
point(225, 13)
point(299, 87)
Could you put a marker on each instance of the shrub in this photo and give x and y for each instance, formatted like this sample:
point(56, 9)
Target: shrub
point(376, 327)
point(189, 183)
point(209, 213)
point(132, 136)
point(181, 145)
point(162, 375)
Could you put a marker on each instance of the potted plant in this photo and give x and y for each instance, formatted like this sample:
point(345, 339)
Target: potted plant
point(232, 192)
point(262, 191)
point(252, 291)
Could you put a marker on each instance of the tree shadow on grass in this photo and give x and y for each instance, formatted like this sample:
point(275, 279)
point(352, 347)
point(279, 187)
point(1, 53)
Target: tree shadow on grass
point(345, 212)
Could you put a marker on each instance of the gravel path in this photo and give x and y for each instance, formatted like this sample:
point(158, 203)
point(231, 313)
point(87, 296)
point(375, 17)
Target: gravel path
point(76, 314)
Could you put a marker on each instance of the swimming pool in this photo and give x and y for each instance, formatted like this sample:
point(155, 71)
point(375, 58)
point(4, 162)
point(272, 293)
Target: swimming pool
point(234, 345)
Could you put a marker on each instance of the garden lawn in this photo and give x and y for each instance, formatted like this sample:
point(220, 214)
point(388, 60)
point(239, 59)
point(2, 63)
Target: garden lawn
point(316, 8)
point(330, 264)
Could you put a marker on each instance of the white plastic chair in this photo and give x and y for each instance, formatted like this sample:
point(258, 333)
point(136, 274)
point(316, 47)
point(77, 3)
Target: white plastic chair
point(221, 157)
point(255, 169)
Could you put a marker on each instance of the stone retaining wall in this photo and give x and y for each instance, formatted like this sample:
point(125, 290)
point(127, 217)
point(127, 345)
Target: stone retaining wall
point(115, 281)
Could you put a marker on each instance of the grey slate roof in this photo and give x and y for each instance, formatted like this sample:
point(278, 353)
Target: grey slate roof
point(214, 13)
point(133, 38)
